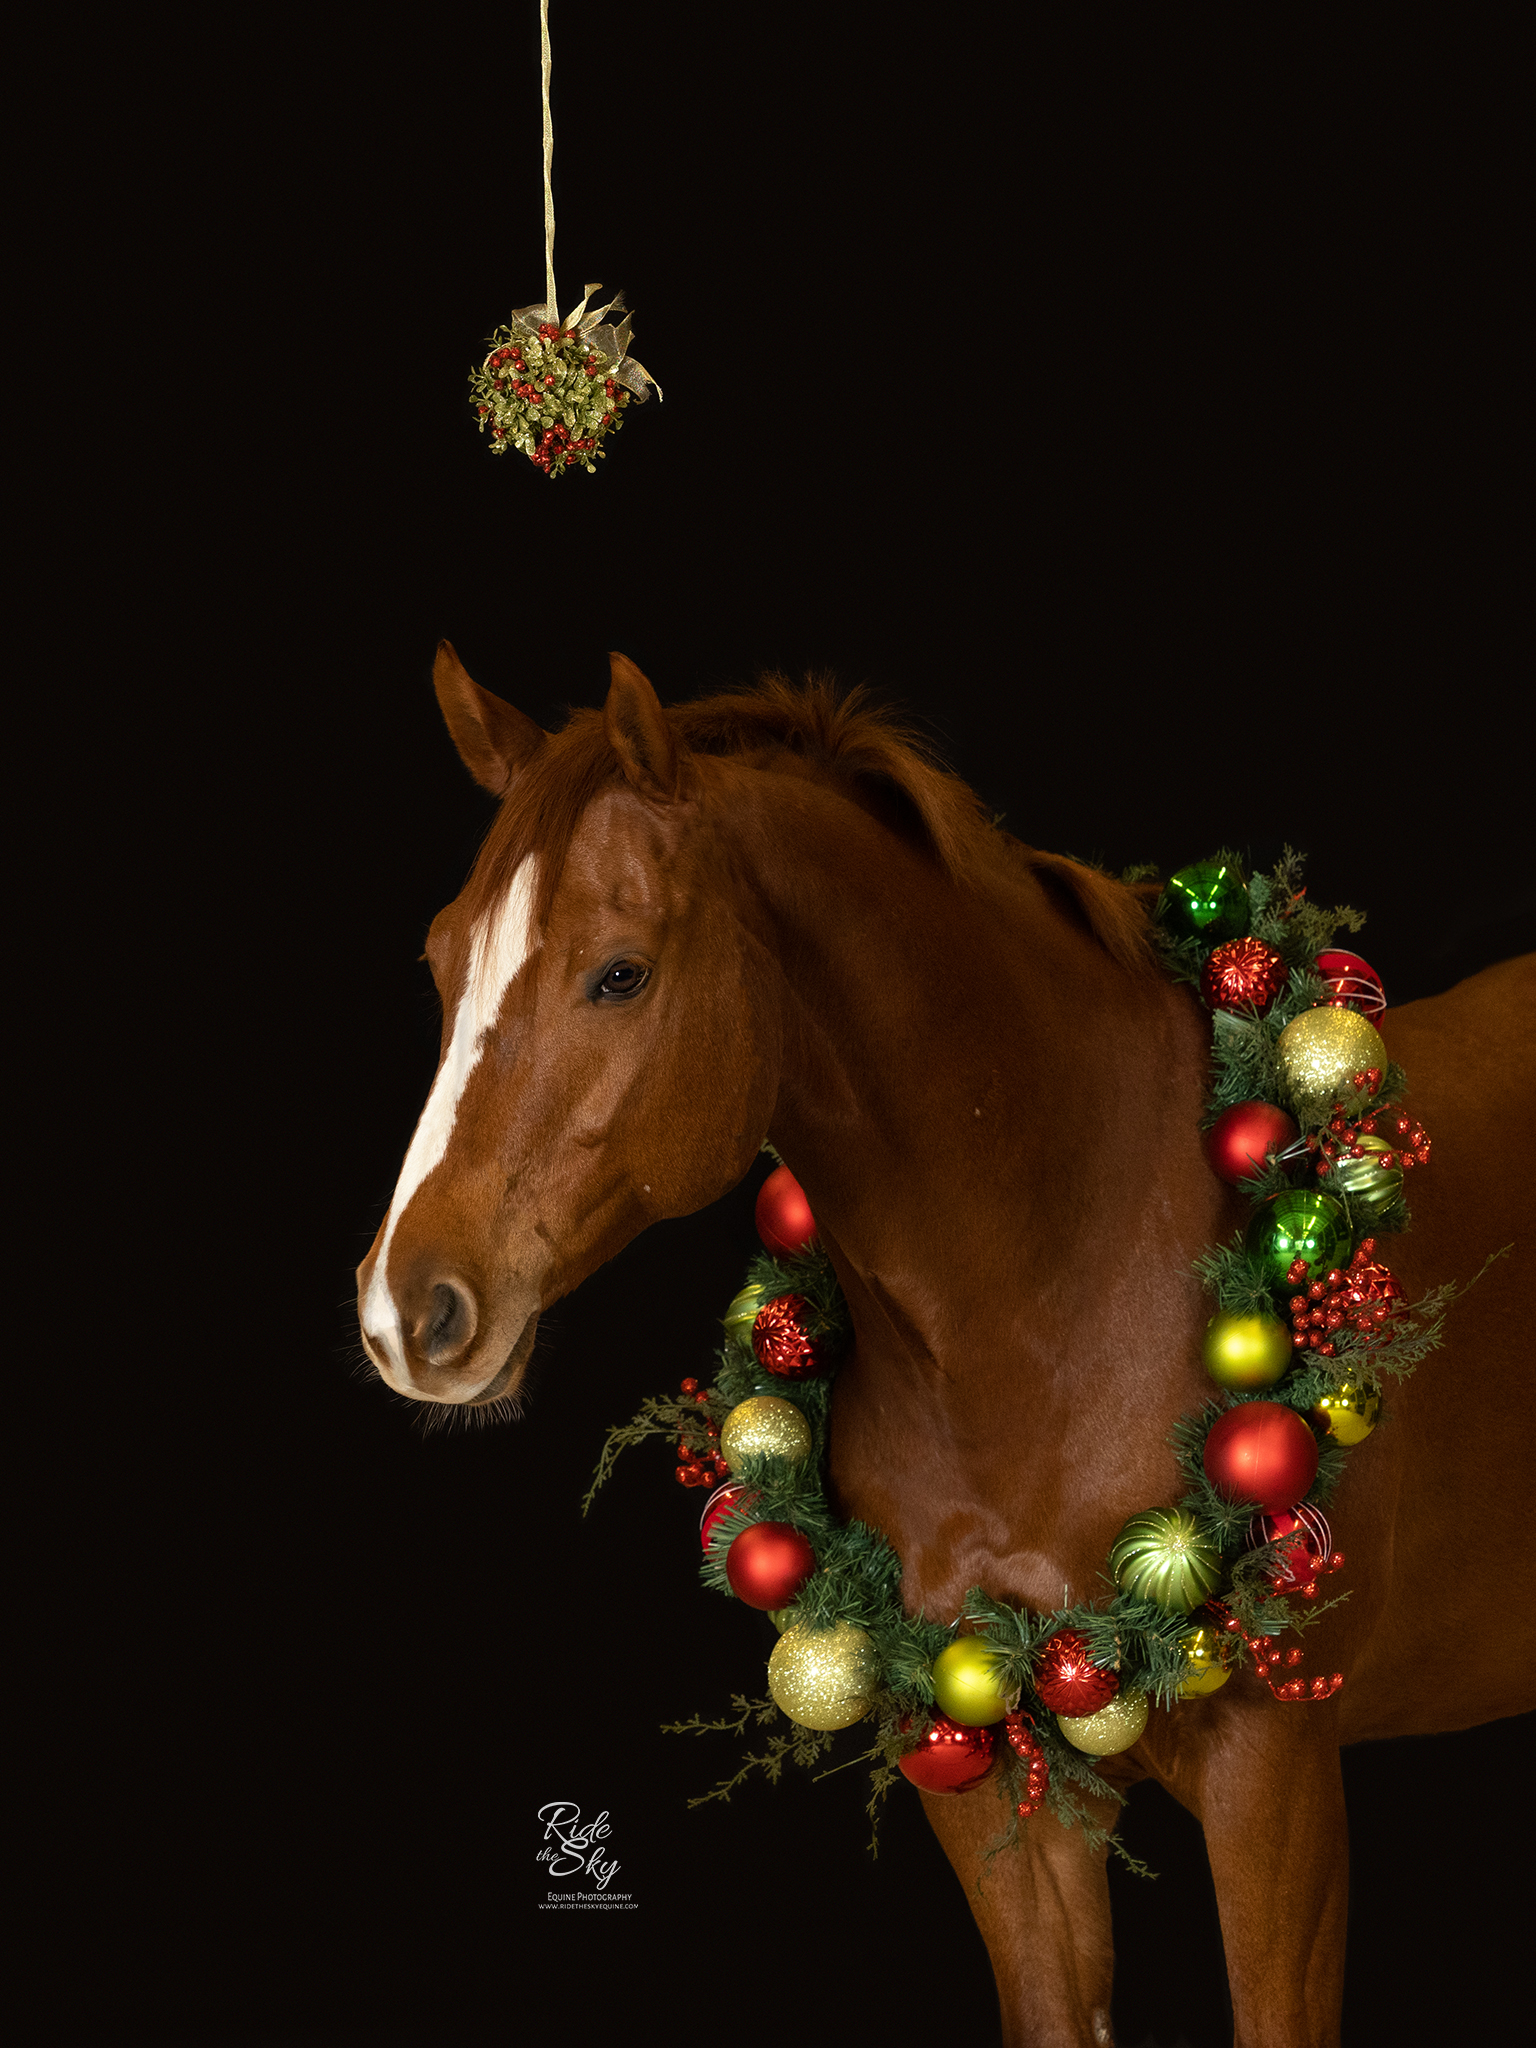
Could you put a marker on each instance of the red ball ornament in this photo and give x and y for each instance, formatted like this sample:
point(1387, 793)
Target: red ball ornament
point(768, 1564)
point(1240, 1137)
point(950, 1757)
point(783, 1215)
point(1353, 983)
point(1067, 1681)
point(721, 1503)
point(780, 1341)
point(1306, 1544)
point(1263, 1452)
point(1244, 974)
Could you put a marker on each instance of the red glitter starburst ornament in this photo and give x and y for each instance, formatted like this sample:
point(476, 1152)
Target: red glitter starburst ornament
point(1244, 974)
point(1068, 1681)
point(781, 1342)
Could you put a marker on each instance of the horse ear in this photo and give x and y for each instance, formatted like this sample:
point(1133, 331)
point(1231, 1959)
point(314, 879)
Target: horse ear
point(493, 737)
point(638, 731)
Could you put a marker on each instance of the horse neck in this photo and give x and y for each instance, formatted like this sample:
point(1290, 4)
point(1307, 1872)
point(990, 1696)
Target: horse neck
point(973, 1092)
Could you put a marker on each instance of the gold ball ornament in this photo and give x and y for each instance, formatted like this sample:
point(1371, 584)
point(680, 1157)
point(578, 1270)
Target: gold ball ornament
point(1319, 1052)
point(825, 1677)
point(1246, 1351)
point(1205, 1657)
point(764, 1427)
point(1111, 1729)
point(968, 1685)
point(1349, 1413)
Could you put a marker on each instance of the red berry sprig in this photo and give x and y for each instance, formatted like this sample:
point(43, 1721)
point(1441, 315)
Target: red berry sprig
point(1027, 1747)
point(1364, 1298)
point(1342, 1138)
point(1267, 1658)
point(693, 1467)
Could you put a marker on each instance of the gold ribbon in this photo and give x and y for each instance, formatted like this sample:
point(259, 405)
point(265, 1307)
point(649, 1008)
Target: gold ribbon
point(611, 343)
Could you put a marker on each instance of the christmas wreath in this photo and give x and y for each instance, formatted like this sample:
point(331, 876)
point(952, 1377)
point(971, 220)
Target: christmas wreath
point(1308, 1327)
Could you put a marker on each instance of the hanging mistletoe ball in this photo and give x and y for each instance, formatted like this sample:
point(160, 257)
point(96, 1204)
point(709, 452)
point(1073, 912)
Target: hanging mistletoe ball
point(1162, 1556)
point(548, 392)
point(1262, 1452)
point(768, 1564)
point(1242, 1137)
point(1067, 1680)
point(949, 1757)
point(780, 1341)
point(783, 1215)
point(1244, 974)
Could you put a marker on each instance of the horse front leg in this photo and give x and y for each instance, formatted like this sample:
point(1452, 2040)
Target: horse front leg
point(1043, 1912)
point(1269, 1792)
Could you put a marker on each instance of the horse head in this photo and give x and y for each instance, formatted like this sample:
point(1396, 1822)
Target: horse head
point(607, 1057)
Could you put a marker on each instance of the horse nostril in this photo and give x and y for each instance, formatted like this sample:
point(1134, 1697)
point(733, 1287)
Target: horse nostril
point(449, 1323)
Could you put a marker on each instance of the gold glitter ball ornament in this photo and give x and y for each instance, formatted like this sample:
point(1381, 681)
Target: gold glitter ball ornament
point(1205, 1657)
point(764, 1427)
point(825, 1677)
point(1111, 1729)
point(1349, 1414)
point(1319, 1053)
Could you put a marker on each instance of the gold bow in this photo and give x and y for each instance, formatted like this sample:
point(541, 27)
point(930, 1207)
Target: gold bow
point(611, 343)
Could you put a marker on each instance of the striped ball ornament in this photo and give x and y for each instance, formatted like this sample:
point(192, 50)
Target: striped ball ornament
point(1161, 1556)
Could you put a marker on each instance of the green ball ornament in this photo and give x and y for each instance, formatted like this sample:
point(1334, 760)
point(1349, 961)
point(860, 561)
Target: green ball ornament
point(1161, 1556)
point(968, 1685)
point(1111, 1729)
point(1368, 1189)
point(1299, 1224)
point(742, 1313)
point(1207, 901)
point(1246, 1351)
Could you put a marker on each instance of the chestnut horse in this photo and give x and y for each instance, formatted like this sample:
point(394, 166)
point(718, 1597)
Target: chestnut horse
point(769, 915)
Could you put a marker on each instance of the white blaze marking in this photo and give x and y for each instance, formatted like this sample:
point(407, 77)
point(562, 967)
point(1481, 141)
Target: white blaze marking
point(497, 951)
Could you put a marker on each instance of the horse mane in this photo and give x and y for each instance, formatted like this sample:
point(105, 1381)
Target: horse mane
point(831, 735)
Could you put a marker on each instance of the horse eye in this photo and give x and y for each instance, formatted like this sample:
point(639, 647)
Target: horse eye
point(624, 978)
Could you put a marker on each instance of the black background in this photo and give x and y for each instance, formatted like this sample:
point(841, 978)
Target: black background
point(1139, 417)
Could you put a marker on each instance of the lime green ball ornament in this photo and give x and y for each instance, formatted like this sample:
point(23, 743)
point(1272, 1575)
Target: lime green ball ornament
point(1208, 901)
point(1298, 1224)
point(1365, 1185)
point(968, 1685)
point(1161, 1556)
point(742, 1313)
point(1246, 1351)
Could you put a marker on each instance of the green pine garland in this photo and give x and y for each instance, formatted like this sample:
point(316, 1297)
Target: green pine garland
point(858, 1576)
